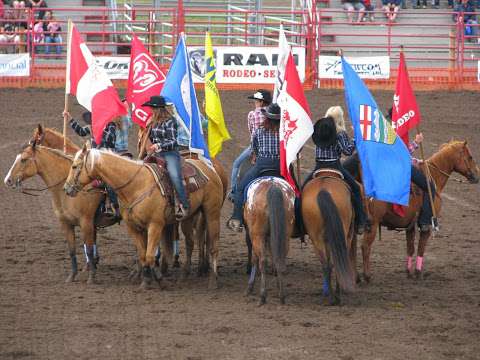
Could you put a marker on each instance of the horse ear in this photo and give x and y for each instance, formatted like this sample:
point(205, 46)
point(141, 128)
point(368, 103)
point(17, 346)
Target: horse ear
point(84, 148)
point(465, 143)
point(33, 144)
point(40, 129)
point(88, 144)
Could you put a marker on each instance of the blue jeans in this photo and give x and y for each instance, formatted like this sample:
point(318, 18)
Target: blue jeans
point(172, 158)
point(50, 40)
point(261, 165)
point(245, 154)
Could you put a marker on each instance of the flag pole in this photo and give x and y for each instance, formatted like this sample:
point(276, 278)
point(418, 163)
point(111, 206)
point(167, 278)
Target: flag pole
point(427, 172)
point(67, 81)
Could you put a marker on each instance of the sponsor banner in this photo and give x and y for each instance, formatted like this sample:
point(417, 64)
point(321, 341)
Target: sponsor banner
point(243, 64)
point(116, 67)
point(371, 67)
point(15, 64)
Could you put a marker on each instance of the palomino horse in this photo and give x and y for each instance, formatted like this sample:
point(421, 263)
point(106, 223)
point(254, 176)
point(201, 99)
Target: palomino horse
point(192, 229)
point(53, 167)
point(269, 214)
point(328, 218)
point(454, 156)
point(144, 209)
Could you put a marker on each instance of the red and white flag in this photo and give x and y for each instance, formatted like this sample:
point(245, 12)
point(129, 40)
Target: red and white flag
point(90, 84)
point(145, 79)
point(405, 113)
point(295, 122)
point(283, 51)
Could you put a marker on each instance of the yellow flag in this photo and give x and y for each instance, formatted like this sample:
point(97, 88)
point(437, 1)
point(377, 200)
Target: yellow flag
point(217, 131)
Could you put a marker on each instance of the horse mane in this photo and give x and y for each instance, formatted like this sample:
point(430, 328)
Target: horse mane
point(54, 132)
point(56, 152)
point(95, 152)
point(451, 143)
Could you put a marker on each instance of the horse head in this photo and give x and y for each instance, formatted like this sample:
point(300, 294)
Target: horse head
point(79, 175)
point(53, 139)
point(463, 161)
point(24, 166)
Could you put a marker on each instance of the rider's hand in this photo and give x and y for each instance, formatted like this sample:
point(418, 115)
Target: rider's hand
point(419, 138)
point(67, 115)
point(153, 148)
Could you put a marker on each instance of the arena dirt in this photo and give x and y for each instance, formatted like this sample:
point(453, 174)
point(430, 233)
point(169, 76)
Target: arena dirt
point(41, 317)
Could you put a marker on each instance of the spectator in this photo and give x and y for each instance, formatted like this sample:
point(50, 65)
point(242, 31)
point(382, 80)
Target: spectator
point(436, 4)
point(36, 5)
point(52, 31)
point(417, 5)
point(391, 8)
point(369, 11)
point(38, 36)
point(8, 36)
point(465, 9)
point(350, 6)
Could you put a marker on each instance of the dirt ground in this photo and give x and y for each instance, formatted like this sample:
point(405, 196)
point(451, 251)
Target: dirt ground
point(41, 317)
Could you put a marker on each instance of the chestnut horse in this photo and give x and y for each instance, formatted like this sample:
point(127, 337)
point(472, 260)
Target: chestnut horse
point(329, 218)
point(144, 208)
point(53, 167)
point(454, 156)
point(192, 229)
point(269, 214)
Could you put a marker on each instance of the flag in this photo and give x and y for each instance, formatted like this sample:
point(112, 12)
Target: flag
point(145, 79)
point(405, 113)
point(295, 123)
point(217, 131)
point(91, 85)
point(384, 157)
point(283, 51)
point(178, 89)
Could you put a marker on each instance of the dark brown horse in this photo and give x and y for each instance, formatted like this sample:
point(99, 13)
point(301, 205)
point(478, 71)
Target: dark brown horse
point(269, 214)
point(454, 156)
point(328, 218)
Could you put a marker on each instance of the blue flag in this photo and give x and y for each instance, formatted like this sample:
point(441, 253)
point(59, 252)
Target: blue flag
point(179, 89)
point(386, 162)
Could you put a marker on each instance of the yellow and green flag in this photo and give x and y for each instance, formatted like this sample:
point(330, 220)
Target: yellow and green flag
point(217, 131)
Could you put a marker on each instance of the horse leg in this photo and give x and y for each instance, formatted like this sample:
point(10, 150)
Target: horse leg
point(139, 240)
point(422, 244)
point(249, 249)
point(213, 233)
point(187, 229)
point(96, 255)
point(154, 234)
point(251, 279)
point(410, 236)
point(368, 239)
point(70, 236)
point(166, 248)
point(263, 280)
point(88, 230)
point(281, 289)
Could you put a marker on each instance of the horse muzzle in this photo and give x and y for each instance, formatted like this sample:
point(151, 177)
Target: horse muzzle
point(70, 190)
point(13, 184)
point(473, 179)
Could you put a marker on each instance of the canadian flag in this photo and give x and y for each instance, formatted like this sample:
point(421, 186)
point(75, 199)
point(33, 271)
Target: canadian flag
point(145, 79)
point(405, 113)
point(90, 84)
point(295, 123)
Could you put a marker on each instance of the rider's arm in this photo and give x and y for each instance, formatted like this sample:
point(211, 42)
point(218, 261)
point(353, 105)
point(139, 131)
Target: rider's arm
point(165, 137)
point(79, 130)
point(109, 136)
point(346, 144)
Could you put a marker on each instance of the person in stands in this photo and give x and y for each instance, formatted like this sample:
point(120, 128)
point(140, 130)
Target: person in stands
point(350, 6)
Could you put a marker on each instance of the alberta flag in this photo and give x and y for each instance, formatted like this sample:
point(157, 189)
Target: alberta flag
point(385, 160)
point(178, 88)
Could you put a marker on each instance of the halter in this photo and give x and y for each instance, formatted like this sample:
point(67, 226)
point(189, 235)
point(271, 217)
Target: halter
point(447, 175)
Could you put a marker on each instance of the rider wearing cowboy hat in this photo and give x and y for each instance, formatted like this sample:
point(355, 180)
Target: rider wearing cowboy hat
point(266, 147)
point(163, 135)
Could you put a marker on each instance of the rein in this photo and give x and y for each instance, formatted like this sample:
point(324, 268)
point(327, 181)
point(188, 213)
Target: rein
point(26, 190)
point(461, 181)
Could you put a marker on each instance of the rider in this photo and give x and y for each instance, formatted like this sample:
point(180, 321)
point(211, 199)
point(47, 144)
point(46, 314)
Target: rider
point(255, 118)
point(332, 140)
point(266, 147)
point(163, 135)
point(419, 179)
point(124, 125)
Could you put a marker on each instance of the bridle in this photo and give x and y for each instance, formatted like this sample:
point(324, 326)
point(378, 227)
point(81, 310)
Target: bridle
point(469, 174)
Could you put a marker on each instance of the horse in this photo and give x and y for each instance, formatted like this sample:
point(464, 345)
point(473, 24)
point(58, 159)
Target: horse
point(269, 215)
point(454, 156)
point(329, 222)
point(53, 167)
point(192, 229)
point(145, 210)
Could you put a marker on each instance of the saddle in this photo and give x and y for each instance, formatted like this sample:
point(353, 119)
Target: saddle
point(193, 177)
point(328, 172)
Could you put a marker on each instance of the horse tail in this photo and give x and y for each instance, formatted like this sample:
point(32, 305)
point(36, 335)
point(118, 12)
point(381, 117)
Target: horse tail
point(335, 239)
point(278, 230)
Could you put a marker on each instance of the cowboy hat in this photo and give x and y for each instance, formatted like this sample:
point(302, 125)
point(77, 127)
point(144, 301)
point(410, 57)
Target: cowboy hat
point(324, 132)
point(157, 101)
point(272, 112)
point(262, 95)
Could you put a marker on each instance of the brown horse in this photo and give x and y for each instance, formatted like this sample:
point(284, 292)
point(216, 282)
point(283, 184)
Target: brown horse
point(144, 209)
point(53, 167)
point(454, 156)
point(53, 139)
point(269, 214)
point(328, 218)
point(193, 229)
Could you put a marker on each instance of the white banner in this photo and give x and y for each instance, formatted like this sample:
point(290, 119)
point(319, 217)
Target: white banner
point(15, 64)
point(116, 67)
point(372, 67)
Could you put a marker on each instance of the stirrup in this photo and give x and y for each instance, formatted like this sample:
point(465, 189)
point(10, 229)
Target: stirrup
point(235, 225)
point(181, 212)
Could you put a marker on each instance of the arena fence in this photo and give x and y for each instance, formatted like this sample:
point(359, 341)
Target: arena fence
point(441, 50)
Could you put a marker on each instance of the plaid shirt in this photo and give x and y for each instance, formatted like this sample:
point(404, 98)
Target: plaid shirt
point(109, 136)
point(164, 134)
point(266, 143)
point(411, 148)
point(255, 119)
point(333, 152)
point(80, 130)
point(122, 134)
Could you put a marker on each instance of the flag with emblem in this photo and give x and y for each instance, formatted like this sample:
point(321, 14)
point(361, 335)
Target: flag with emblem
point(295, 121)
point(217, 131)
point(145, 79)
point(385, 160)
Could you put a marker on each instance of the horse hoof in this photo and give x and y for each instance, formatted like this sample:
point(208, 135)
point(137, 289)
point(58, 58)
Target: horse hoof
point(282, 300)
point(176, 263)
point(145, 285)
point(212, 283)
point(263, 301)
point(358, 279)
point(91, 280)
point(249, 269)
point(70, 278)
point(249, 291)
point(418, 275)
point(409, 274)
point(367, 278)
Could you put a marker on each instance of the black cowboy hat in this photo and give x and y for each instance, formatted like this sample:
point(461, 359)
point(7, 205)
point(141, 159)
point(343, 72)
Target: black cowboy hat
point(324, 132)
point(262, 95)
point(157, 102)
point(272, 112)
point(87, 117)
